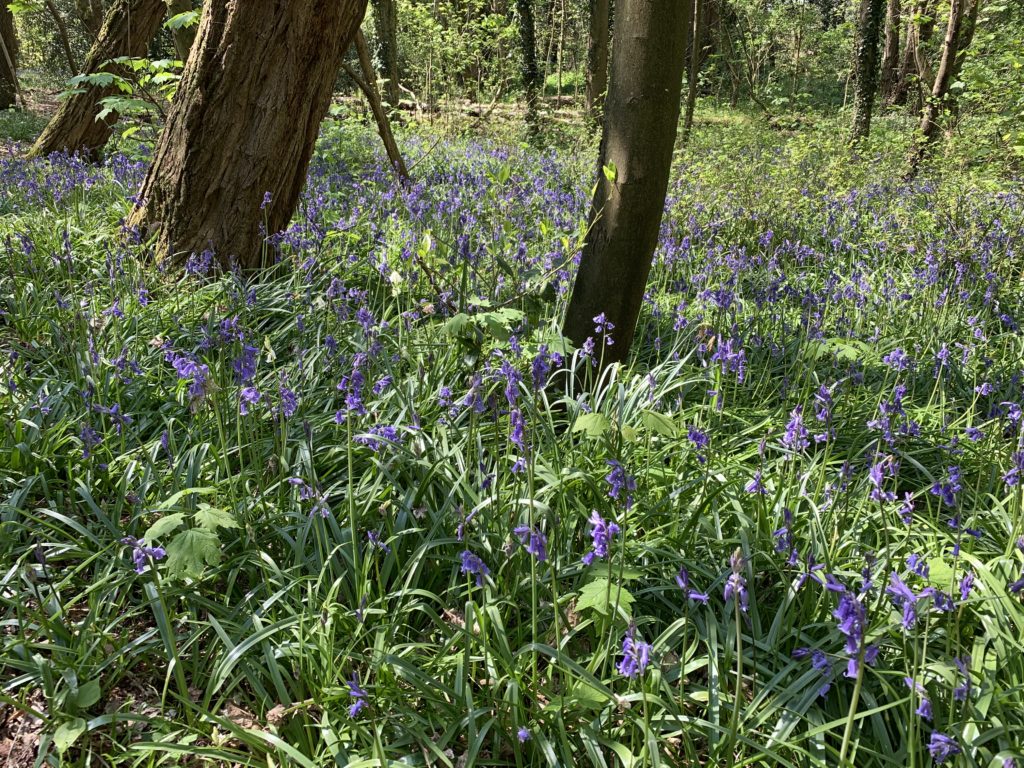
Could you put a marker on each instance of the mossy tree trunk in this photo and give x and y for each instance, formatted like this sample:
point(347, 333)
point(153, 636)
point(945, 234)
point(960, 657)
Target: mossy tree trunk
point(385, 21)
point(530, 70)
point(641, 118)
point(890, 50)
point(597, 57)
point(257, 84)
point(127, 29)
point(866, 63)
point(8, 58)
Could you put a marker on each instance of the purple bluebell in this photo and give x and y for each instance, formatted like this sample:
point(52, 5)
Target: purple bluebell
point(636, 654)
point(756, 485)
point(602, 534)
point(474, 566)
point(942, 747)
point(621, 484)
point(795, 437)
point(142, 554)
point(533, 540)
point(523, 734)
point(735, 584)
point(360, 698)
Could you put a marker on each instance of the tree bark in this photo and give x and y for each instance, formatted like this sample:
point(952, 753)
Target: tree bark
point(530, 71)
point(127, 30)
point(866, 62)
point(62, 35)
point(91, 14)
point(918, 32)
point(696, 55)
point(8, 58)
point(183, 37)
point(385, 19)
point(597, 58)
point(963, 16)
point(891, 50)
point(368, 85)
point(641, 118)
point(257, 84)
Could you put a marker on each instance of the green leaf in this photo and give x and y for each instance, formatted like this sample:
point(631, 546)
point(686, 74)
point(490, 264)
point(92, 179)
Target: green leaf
point(165, 525)
point(179, 20)
point(610, 172)
point(599, 595)
point(593, 424)
point(191, 551)
point(659, 422)
point(211, 518)
point(67, 734)
point(88, 694)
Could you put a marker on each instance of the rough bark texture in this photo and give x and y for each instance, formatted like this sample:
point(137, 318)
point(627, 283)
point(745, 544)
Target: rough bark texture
point(963, 15)
point(127, 30)
point(696, 39)
point(183, 37)
point(891, 50)
point(597, 57)
point(91, 14)
point(866, 61)
point(385, 21)
point(530, 71)
point(641, 117)
point(8, 58)
point(257, 84)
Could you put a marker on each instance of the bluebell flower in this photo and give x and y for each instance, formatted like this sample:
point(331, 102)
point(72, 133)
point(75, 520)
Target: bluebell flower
point(735, 584)
point(636, 654)
point(795, 437)
point(948, 488)
point(963, 690)
point(602, 534)
point(248, 397)
point(1012, 476)
point(924, 708)
point(942, 747)
point(473, 565)
point(755, 485)
point(523, 734)
point(359, 696)
point(141, 554)
point(621, 485)
point(533, 540)
point(683, 582)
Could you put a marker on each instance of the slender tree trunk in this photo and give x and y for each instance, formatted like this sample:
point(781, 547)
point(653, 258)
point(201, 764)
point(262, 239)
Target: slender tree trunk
point(866, 63)
point(183, 37)
point(928, 130)
point(530, 71)
point(62, 35)
point(127, 30)
point(696, 56)
point(8, 58)
point(385, 19)
point(368, 85)
point(920, 27)
point(891, 50)
point(597, 58)
point(641, 118)
point(232, 160)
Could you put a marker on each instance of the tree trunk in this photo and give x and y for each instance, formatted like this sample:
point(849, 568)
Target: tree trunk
point(233, 156)
point(385, 19)
point(62, 35)
point(127, 30)
point(368, 85)
point(918, 33)
point(183, 37)
point(891, 50)
point(696, 55)
point(91, 14)
point(597, 58)
point(963, 16)
point(8, 59)
point(866, 63)
point(530, 72)
point(641, 117)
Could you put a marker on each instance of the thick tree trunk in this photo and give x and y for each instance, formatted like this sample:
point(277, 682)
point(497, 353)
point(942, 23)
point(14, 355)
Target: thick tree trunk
point(183, 37)
point(385, 19)
point(641, 118)
point(62, 34)
point(8, 58)
point(530, 71)
point(127, 30)
point(696, 37)
point(963, 16)
point(597, 58)
point(866, 63)
point(920, 27)
point(257, 84)
point(891, 50)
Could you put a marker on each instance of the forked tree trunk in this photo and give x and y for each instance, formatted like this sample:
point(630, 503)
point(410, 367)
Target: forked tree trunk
point(866, 62)
point(597, 58)
point(641, 117)
point(963, 15)
point(127, 30)
point(696, 39)
point(385, 18)
point(257, 84)
point(183, 37)
point(8, 58)
point(891, 50)
point(530, 71)
point(920, 27)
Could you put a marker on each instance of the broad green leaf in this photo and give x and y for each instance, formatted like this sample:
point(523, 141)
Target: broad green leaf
point(165, 525)
point(67, 734)
point(600, 595)
point(659, 422)
point(191, 551)
point(593, 424)
point(88, 694)
point(211, 518)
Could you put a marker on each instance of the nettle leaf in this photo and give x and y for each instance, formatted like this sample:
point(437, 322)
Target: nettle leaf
point(600, 595)
point(211, 518)
point(191, 551)
point(165, 525)
point(593, 424)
